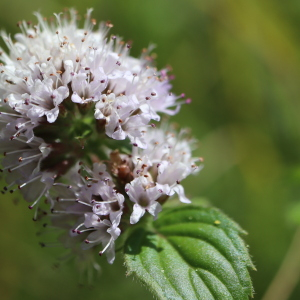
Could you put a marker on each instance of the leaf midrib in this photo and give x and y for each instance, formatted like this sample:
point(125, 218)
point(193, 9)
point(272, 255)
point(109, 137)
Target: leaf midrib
point(206, 241)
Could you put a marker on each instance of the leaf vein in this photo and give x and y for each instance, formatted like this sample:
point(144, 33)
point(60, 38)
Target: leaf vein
point(221, 252)
point(193, 285)
point(215, 247)
point(211, 290)
point(171, 283)
point(199, 268)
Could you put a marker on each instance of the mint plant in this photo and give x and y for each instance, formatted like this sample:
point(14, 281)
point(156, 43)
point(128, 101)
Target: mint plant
point(82, 131)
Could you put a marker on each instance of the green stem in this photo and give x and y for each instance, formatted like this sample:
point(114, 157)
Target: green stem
point(288, 274)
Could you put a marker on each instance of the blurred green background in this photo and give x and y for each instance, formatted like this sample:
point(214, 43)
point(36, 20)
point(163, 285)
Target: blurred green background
point(239, 60)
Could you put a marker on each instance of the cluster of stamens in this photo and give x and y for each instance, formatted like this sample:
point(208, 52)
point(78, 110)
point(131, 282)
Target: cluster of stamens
point(77, 129)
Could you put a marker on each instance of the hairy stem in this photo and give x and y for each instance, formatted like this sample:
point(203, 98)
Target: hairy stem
point(288, 274)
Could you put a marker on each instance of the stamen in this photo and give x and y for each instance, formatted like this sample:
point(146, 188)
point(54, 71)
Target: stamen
point(77, 228)
point(29, 157)
point(17, 167)
point(29, 181)
point(9, 114)
point(84, 203)
point(66, 212)
point(105, 248)
point(92, 241)
point(62, 184)
point(85, 230)
point(6, 188)
point(18, 151)
point(67, 199)
point(38, 199)
point(103, 202)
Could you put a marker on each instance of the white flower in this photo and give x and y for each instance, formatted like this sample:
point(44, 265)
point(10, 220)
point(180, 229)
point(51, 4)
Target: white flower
point(68, 99)
point(23, 154)
point(95, 198)
point(118, 112)
point(111, 202)
point(44, 100)
point(172, 174)
point(167, 161)
point(53, 63)
point(104, 232)
point(144, 197)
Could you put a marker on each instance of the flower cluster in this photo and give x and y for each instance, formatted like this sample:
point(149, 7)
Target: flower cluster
point(75, 129)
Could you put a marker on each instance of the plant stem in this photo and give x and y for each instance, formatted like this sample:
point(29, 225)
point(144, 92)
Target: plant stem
point(288, 274)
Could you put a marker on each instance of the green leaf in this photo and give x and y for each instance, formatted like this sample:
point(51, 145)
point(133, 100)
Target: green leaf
point(191, 253)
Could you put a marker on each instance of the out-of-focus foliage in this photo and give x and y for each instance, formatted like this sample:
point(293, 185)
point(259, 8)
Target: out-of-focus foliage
point(239, 60)
point(294, 213)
